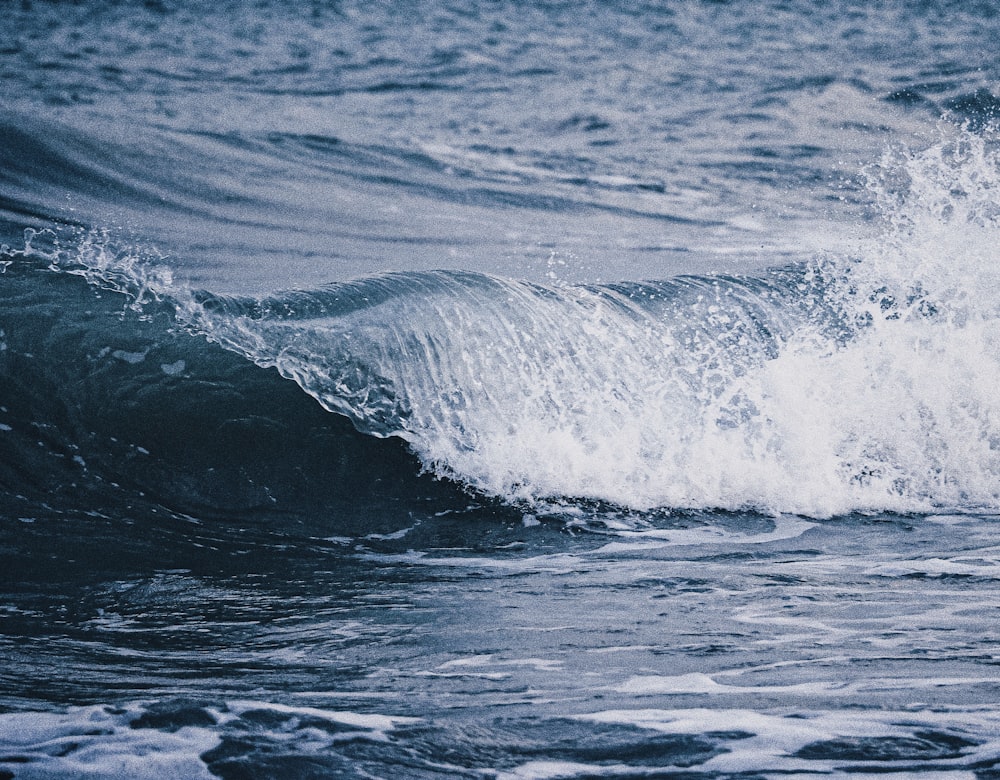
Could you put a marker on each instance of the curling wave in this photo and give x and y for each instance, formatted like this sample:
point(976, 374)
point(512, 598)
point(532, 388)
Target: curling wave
point(837, 385)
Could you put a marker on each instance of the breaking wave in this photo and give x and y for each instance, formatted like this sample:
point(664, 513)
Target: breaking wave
point(847, 383)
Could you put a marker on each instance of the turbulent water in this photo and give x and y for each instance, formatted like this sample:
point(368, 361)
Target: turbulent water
point(508, 390)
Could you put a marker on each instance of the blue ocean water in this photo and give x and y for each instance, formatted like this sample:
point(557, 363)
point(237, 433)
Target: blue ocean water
point(499, 390)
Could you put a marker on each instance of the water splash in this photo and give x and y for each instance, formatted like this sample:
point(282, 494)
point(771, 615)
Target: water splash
point(848, 383)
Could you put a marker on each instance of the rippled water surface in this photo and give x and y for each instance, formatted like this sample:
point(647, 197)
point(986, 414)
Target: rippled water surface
point(499, 390)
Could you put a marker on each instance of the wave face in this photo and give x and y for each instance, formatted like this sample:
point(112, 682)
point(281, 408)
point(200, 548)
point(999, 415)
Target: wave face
point(823, 387)
point(111, 409)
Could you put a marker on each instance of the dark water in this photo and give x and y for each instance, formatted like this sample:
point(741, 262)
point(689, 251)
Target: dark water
point(508, 390)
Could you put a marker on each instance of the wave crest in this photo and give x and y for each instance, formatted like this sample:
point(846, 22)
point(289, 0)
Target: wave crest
point(823, 387)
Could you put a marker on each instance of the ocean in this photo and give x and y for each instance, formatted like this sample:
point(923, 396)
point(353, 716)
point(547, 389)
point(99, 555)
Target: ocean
point(514, 390)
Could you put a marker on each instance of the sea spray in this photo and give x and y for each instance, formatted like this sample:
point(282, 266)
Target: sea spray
point(903, 415)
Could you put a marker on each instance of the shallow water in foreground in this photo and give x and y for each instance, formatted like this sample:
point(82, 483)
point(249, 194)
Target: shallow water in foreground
point(482, 644)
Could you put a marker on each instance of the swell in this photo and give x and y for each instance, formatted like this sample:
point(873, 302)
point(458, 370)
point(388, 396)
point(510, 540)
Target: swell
point(149, 178)
point(116, 381)
point(105, 176)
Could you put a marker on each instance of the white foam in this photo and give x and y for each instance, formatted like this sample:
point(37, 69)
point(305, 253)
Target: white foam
point(903, 417)
point(129, 357)
point(697, 683)
point(98, 742)
point(784, 528)
point(553, 770)
point(558, 563)
point(938, 567)
point(769, 741)
point(368, 722)
point(538, 664)
point(703, 684)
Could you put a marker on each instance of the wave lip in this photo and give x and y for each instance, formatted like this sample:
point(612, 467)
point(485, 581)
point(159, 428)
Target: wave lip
point(523, 390)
